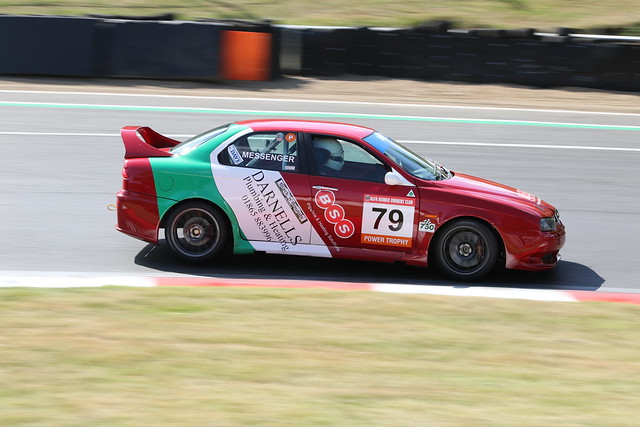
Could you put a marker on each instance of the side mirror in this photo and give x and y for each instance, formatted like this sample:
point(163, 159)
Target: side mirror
point(392, 178)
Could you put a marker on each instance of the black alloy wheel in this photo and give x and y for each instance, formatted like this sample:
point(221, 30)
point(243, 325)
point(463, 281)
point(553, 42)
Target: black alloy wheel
point(196, 232)
point(466, 250)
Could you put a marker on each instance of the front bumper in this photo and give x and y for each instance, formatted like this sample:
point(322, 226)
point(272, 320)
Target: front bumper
point(533, 249)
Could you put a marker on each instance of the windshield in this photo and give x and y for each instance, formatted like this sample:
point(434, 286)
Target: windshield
point(409, 161)
point(191, 143)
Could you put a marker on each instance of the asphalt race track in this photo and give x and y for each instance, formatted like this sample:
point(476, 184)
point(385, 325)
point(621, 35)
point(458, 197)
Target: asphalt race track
point(62, 157)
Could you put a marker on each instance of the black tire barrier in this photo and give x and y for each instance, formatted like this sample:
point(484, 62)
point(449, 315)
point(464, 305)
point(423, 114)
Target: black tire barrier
point(142, 48)
point(46, 45)
point(480, 56)
point(521, 33)
point(487, 33)
point(161, 17)
point(564, 31)
point(432, 27)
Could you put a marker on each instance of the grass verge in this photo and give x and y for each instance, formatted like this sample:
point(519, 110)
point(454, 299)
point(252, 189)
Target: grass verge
point(543, 14)
point(271, 357)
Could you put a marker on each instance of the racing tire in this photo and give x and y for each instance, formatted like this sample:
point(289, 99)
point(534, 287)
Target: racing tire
point(196, 232)
point(466, 250)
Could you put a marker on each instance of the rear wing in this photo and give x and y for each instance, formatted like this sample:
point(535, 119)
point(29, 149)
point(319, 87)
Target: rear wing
point(142, 141)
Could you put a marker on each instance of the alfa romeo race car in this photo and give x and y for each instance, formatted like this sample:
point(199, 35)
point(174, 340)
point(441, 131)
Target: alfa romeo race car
point(328, 190)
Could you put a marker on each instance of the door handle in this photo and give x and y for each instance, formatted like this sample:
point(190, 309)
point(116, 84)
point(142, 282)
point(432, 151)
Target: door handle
point(322, 187)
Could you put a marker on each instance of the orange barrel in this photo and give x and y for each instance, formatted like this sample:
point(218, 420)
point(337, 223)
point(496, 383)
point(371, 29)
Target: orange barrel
point(246, 55)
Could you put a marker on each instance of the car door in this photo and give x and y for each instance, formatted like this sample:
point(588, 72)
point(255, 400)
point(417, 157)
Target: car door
point(352, 205)
point(263, 178)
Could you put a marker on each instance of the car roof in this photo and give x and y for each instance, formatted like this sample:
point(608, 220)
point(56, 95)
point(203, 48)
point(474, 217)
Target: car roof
point(312, 126)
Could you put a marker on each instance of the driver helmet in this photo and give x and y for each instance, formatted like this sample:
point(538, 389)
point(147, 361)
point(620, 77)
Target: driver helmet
point(335, 159)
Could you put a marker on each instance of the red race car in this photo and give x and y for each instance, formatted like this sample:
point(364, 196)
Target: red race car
point(329, 190)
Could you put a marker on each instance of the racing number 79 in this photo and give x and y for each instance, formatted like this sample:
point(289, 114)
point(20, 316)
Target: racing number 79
point(395, 218)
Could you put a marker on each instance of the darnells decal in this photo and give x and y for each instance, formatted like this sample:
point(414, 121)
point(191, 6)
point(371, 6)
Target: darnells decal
point(267, 208)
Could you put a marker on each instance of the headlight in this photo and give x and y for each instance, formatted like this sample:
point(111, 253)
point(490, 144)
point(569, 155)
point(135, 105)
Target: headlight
point(548, 224)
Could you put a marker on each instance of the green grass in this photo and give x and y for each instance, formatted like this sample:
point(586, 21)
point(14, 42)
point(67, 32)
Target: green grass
point(542, 14)
point(270, 357)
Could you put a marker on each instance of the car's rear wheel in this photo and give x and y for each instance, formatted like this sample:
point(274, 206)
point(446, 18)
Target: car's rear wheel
point(196, 231)
point(466, 250)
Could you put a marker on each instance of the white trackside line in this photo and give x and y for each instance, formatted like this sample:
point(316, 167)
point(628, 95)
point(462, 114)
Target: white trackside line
point(74, 281)
point(490, 144)
point(80, 280)
point(325, 114)
point(506, 293)
point(319, 101)
point(58, 134)
point(80, 134)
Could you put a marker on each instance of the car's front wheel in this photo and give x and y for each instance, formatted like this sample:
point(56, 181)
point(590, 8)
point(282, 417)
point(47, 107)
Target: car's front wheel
point(196, 231)
point(466, 250)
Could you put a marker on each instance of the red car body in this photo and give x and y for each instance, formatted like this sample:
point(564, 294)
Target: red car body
point(384, 204)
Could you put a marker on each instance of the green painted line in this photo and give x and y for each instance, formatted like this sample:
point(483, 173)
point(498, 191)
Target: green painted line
point(316, 115)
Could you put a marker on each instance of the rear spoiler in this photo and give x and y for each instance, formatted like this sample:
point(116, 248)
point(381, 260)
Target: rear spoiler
point(145, 142)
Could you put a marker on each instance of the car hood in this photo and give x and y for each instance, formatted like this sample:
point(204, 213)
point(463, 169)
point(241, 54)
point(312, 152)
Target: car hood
point(497, 192)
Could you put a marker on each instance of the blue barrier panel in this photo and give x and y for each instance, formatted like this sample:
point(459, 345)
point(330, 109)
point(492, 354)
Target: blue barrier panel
point(103, 38)
point(46, 45)
point(187, 51)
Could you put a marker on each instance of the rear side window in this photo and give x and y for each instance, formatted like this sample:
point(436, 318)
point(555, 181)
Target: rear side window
point(264, 150)
point(194, 142)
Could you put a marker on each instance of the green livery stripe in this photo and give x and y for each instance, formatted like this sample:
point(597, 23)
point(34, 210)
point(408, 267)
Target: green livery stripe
point(319, 115)
point(188, 177)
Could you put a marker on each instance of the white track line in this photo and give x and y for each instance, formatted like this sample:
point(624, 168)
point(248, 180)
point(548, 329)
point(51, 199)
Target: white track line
point(490, 144)
point(326, 114)
point(316, 101)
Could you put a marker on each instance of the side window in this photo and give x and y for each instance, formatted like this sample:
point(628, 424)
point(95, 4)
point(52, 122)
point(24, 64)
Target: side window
point(265, 150)
point(340, 158)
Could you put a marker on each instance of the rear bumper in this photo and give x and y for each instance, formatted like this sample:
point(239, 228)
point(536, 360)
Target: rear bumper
point(138, 215)
point(534, 250)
